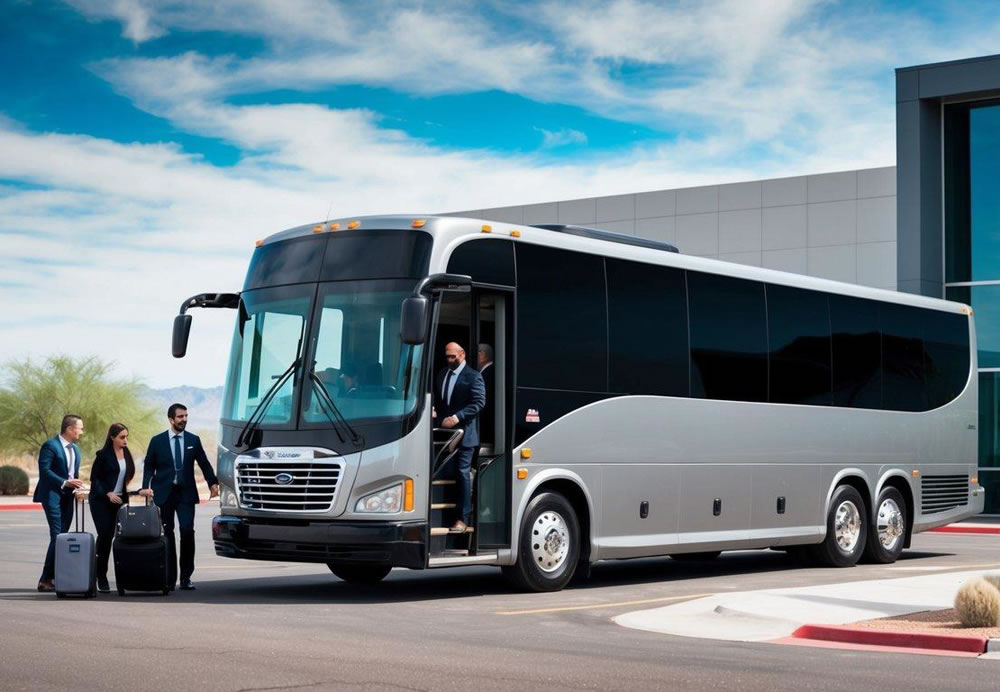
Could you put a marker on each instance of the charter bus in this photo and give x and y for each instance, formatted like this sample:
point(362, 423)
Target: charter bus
point(644, 403)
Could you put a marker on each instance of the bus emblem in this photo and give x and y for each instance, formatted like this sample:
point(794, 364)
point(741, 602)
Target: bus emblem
point(284, 478)
point(532, 416)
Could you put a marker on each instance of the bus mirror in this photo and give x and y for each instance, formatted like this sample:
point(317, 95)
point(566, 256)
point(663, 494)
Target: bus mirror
point(182, 328)
point(413, 320)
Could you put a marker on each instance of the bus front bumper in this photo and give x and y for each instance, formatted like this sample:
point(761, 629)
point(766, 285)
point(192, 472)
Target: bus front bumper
point(397, 544)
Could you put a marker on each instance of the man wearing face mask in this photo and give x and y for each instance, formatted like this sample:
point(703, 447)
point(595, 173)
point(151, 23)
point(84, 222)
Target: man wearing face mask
point(459, 396)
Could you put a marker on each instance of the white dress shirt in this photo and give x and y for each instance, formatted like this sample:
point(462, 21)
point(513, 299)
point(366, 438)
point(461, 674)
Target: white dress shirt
point(119, 486)
point(67, 447)
point(449, 383)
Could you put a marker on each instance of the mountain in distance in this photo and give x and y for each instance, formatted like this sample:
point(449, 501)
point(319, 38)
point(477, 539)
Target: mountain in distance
point(204, 404)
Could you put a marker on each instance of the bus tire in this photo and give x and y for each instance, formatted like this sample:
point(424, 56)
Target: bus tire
point(362, 575)
point(846, 530)
point(549, 545)
point(696, 557)
point(887, 528)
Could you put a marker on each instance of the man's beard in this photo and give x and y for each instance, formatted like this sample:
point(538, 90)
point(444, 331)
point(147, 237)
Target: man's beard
point(180, 425)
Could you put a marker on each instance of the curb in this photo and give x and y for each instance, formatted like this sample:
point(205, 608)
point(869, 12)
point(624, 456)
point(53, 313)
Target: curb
point(20, 507)
point(966, 529)
point(927, 641)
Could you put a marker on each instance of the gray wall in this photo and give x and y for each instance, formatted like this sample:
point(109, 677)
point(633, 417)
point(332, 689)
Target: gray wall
point(835, 225)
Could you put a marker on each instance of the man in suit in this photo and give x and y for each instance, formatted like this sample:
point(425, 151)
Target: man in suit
point(459, 396)
point(58, 480)
point(484, 363)
point(168, 477)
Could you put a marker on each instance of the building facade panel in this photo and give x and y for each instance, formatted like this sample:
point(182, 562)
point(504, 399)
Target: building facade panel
point(833, 223)
point(616, 208)
point(740, 231)
point(736, 196)
point(832, 187)
point(877, 220)
point(698, 200)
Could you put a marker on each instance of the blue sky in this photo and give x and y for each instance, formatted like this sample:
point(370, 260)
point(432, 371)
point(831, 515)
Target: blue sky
point(145, 145)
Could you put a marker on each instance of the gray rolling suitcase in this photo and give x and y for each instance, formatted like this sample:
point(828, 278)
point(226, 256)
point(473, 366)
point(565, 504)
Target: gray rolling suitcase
point(75, 551)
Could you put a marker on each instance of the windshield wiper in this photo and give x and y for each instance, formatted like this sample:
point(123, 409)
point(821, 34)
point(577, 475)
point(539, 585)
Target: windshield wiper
point(330, 410)
point(258, 415)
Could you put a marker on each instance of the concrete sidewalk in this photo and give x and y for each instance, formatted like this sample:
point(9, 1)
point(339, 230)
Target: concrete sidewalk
point(753, 616)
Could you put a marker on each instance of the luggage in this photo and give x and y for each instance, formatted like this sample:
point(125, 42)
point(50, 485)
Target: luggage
point(141, 564)
point(75, 571)
point(139, 522)
point(140, 550)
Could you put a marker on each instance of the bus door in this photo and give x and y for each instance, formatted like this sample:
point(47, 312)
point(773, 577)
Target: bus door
point(492, 325)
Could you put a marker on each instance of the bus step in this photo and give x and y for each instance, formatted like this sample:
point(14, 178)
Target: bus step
point(444, 481)
point(444, 531)
point(459, 560)
point(443, 505)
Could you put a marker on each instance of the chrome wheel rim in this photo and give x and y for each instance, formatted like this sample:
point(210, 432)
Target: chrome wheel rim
point(890, 524)
point(847, 526)
point(549, 541)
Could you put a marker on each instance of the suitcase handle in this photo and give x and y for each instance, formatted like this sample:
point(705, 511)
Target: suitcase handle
point(135, 493)
point(81, 516)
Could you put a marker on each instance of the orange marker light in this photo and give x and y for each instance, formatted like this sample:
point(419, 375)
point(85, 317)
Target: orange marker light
point(408, 495)
point(973, 480)
point(259, 243)
point(418, 223)
point(525, 452)
point(522, 474)
point(318, 228)
point(353, 224)
point(915, 473)
point(487, 228)
point(515, 234)
point(334, 226)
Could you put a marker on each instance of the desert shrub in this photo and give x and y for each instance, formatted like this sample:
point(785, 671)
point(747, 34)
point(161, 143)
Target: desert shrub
point(993, 579)
point(978, 603)
point(13, 481)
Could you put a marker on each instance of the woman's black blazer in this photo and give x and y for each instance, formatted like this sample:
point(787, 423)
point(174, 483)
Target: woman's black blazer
point(104, 473)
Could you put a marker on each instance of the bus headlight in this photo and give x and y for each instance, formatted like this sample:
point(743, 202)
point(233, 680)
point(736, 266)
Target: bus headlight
point(229, 498)
point(386, 501)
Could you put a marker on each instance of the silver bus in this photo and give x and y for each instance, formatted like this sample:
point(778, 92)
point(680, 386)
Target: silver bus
point(643, 403)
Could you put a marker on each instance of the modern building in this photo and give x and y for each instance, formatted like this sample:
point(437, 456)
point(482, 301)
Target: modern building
point(929, 225)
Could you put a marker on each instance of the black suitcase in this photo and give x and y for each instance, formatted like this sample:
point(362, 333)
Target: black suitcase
point(140, 556)
point(141, 564)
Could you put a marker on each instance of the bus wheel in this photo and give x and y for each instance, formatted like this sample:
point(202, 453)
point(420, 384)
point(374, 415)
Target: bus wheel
point(696, 557)
point(365, 575)
point(846, 530)
point(549, 545)
point(887, 531)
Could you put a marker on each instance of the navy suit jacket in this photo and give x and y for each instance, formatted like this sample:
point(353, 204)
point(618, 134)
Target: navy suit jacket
point(158, 468)
point(467, 400)
point(53, 471)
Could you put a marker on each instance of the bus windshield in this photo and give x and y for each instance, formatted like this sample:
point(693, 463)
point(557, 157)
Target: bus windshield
point(357, 354)
point(354, 350)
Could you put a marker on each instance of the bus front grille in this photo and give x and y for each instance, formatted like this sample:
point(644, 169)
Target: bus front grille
point(287, 486)
point(942, 493)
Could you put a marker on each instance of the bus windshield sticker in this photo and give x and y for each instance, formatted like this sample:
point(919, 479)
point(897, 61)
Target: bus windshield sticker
point(532, 416)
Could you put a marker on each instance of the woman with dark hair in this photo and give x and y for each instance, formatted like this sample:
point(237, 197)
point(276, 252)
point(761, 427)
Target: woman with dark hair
point(109, 478)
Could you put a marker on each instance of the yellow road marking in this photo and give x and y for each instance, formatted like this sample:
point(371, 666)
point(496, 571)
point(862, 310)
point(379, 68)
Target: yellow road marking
point(597, 606)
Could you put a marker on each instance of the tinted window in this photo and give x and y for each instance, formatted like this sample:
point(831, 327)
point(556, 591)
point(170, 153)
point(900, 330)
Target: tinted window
point(647, 323)
point(798, 327)
point(561, 320)
point(487, 261)
point(288, 262)
point(857, 352)
point(946, 356)
point(902, 358)
point(376, 255)
point(728, 338)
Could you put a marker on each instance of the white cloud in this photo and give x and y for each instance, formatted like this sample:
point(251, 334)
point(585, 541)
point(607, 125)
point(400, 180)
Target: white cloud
point(561, 138)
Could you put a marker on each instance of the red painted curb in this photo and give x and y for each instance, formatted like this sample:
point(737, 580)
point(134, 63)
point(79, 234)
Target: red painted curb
point(967, 529)
point(910, 640)
point(18, 508)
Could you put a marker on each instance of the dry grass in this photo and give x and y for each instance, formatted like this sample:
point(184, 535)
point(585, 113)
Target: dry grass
point(936, 621)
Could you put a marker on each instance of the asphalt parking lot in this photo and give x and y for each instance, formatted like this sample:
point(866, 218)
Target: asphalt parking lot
point(271, 626)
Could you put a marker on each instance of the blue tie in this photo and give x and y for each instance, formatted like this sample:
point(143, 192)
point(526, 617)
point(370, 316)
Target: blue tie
point(178, 460)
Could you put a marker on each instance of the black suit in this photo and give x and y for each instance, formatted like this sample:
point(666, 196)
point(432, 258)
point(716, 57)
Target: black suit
point(103, 479)
point(176, 492)
point(468, 396)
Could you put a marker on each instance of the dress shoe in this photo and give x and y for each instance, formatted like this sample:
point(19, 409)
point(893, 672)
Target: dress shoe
point(458, 527)
point(187, 585)
point(103, 586)
point(46, 586)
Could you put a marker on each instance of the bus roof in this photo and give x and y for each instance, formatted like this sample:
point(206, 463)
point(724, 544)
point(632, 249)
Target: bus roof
point(451, 231)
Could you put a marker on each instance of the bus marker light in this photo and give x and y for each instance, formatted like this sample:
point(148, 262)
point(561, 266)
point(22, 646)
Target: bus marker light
point(973, 480)
point(522, 474)
point(418, 223)
point(353, 224)
point(259, 243)
point(526, 453)
point(408, 495)
point(318, 228)
point(915, 473)
point(334, 226)
point(487, 228)
point(515, 234)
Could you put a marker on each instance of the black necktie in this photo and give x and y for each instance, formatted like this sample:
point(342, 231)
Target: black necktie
point(178, 460)
point(446, 395)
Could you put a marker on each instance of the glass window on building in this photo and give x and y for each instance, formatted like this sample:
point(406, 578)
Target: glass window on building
point(972, 257)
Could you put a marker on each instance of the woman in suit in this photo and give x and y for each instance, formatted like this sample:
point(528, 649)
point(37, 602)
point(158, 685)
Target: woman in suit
point(109, 478)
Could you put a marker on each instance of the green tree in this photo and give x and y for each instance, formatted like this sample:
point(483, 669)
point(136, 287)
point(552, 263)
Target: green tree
point(35, 397)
